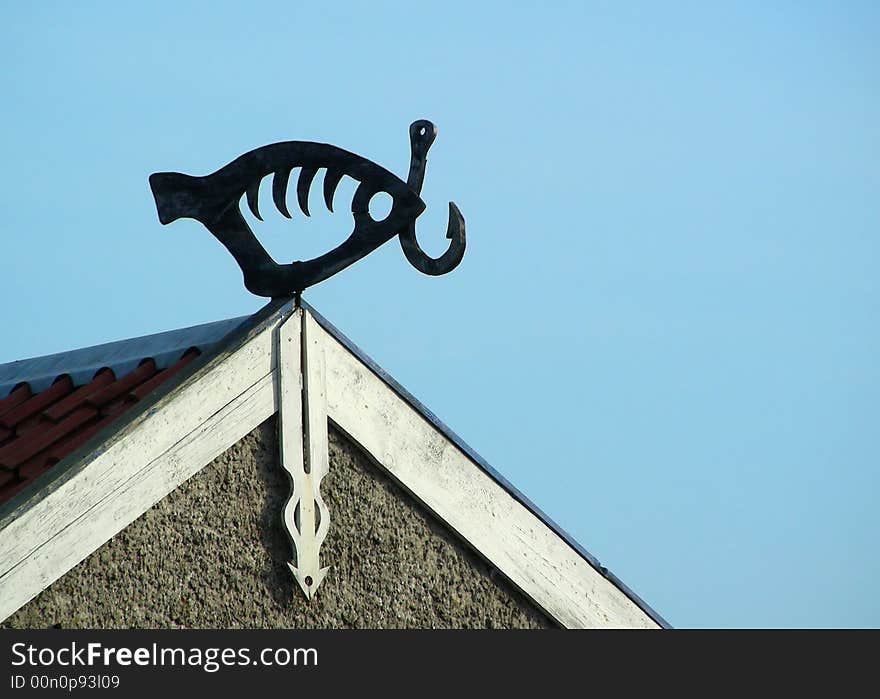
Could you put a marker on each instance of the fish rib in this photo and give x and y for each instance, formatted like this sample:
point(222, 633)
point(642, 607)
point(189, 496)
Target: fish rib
point(331, 182)
point(306, 175)
point(253, 194)
point(279, 191)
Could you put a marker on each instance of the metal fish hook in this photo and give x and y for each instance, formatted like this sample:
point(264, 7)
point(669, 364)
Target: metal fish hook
point(421, 135)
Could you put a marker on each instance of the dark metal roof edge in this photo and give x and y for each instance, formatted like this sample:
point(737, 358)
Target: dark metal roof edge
point(65, 469)
point(121, 356)
point(482, 463)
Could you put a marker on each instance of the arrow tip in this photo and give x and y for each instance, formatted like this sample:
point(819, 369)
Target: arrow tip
point(308, 582)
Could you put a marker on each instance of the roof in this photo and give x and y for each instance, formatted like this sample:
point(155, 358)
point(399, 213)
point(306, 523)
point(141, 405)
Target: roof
point(122, 356)
point(51, 405)
point(213, 401)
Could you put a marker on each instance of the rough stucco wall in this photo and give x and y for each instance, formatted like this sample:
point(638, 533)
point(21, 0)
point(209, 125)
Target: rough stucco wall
point(213, 555)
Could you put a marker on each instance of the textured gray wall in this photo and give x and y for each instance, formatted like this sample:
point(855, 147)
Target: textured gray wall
point(212, 555)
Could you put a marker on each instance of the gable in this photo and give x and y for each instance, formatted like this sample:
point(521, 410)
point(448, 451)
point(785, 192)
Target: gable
point(213, 555)
point(288, 360)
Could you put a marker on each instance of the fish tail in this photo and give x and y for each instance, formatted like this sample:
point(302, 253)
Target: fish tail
point(177, 196)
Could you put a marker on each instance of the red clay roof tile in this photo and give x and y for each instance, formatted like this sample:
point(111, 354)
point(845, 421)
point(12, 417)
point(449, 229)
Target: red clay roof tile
point(38, 430)
point(34, 467)
point(165, 374)
point(35, 422)
point(104, 377)
point(62, 386)
point(121, 386)
point(19, 395)
point(7, 479)
point(62, 448)
point(15, 453)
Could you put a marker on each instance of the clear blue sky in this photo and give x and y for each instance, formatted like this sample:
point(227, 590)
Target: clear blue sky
point(665, 329)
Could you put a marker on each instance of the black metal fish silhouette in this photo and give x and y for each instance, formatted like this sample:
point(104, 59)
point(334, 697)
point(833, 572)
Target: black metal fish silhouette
point(213, 200)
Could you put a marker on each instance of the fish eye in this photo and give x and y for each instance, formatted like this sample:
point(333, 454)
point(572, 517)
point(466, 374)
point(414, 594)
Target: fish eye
point(380, 206)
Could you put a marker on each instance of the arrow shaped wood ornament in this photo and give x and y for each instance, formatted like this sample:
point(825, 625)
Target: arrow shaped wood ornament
point(304, 447)
point(214, 201)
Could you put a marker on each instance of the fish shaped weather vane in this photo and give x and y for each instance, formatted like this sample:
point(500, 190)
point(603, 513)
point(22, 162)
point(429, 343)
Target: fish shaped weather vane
point(214, 199)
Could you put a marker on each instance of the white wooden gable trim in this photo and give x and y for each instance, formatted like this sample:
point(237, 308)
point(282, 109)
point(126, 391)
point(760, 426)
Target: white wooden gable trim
point(148, 458)
point(477, 508)
point(234, 392)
